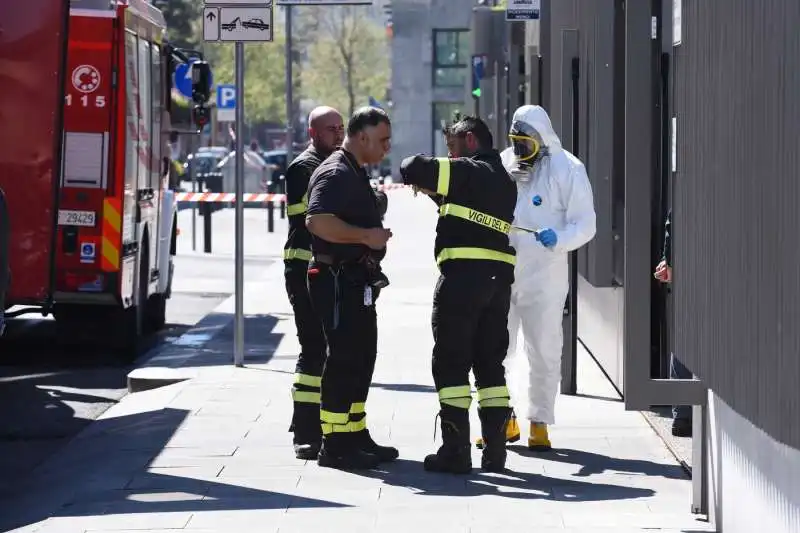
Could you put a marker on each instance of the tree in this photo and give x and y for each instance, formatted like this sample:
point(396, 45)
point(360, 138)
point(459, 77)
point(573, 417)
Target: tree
point(264, 82)
point(182, 17)
point(349, 62)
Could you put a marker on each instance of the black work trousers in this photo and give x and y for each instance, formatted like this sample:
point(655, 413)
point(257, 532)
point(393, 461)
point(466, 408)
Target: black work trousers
point(349, 321)
point(470, 332)
point(313, 350)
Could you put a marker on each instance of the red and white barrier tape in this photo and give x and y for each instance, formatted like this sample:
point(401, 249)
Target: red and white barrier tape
point(251, 197)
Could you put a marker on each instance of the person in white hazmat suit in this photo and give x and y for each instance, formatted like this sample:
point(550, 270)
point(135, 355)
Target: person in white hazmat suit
point(554, 216)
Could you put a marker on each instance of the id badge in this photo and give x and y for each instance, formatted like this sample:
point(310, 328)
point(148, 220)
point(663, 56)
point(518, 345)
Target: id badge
point(367, 296)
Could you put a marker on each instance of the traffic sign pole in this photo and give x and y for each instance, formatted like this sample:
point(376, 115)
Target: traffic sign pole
point(238, 333)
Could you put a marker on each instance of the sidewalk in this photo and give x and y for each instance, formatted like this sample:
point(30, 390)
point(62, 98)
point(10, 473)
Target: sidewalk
point(212, 453)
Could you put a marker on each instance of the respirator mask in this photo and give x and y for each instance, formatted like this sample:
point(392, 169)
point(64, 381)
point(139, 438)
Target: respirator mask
point(527, 145)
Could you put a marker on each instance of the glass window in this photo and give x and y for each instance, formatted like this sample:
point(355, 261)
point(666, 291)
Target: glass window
point(145, 114)
point(443, 112)
point(132, 108)
point(158, 98)
point(450, 58)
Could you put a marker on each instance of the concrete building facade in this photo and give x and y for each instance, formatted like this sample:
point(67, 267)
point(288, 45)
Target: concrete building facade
point(430, 67)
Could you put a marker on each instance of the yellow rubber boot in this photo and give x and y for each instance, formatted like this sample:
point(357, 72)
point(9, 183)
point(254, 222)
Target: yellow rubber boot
point(513, 432)
point(539, 441)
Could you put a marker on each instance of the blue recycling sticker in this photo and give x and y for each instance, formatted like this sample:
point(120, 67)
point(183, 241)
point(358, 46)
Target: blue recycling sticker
point(537, 200)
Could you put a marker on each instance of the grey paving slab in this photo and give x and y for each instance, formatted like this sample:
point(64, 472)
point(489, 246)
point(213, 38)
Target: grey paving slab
point(215, 454)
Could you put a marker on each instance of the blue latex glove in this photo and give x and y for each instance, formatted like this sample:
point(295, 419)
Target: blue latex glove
point(547, 237)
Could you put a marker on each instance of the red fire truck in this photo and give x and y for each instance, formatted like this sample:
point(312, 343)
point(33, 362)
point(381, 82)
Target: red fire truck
point(84, 118)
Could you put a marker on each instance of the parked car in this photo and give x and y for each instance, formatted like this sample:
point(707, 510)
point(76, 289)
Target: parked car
point(203, 167)
point(257, 173)
point(277, 159)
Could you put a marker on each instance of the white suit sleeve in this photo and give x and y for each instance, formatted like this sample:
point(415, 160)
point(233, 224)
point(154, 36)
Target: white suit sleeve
point(580, 215)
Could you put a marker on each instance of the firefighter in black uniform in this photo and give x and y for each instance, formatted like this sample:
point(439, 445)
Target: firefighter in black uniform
point(326, 131)
point(344, 279)
point(476, 199)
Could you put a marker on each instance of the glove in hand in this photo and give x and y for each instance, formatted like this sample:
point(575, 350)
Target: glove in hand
point(547, 237)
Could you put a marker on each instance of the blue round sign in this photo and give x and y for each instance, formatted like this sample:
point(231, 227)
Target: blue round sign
point(537, 200)
point(183, 79)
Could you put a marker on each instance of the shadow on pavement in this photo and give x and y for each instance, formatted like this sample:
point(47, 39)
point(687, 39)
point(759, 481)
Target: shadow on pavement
point(511, 484)
point(595, 463)
point(405, 387)
point(211, 342)
point(598, 397)
point(105, 467)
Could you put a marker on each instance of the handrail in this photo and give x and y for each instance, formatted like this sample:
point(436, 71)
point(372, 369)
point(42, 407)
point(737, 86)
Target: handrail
point(5, 236)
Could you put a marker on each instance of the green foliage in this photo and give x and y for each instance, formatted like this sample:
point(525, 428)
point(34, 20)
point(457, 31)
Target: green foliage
point(264, 82)
point(182, 21)
point(348, 62)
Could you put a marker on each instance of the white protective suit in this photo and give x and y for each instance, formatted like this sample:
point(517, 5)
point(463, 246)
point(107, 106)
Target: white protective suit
point(559, 185)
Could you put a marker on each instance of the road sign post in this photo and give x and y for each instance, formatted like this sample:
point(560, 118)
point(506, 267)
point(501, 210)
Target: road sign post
point(237, 21)
point(238, 334)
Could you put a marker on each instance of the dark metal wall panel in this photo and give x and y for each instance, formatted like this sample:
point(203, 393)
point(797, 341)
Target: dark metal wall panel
point(594, 20)
point(736, 198)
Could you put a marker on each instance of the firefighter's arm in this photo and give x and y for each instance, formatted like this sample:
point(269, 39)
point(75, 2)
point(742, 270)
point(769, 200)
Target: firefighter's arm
point(297, 178)
point(382, 201)
point(431, 175)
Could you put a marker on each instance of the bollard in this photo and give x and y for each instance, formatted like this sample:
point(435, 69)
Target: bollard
point(283, 192)
point(271, 217)
point(207, 211)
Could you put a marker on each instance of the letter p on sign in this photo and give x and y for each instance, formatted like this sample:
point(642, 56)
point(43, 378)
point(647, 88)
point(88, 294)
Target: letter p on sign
point(226, 97)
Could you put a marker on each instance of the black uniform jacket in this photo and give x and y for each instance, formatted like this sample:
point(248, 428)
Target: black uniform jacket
point(476, 200)
point(298, 244)
point(340, 187)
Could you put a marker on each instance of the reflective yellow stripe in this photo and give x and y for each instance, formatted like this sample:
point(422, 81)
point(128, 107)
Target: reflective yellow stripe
point(333, 418)
point(358, 425)
point(494, 397)
point(358, 408)
point(459, 396)
point(297, 253)
point(474, 253)
point(298, 208)
point(295, 209)
point(300, 396)
point(493, 392)
point(350, 427)
point(472, 215)
point(308, 380)
point(443, 184)
point(327, 429)
point(495, 402)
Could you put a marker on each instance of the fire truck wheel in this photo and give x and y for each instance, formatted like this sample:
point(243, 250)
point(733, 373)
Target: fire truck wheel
point(131, 322)
point(157, 304)
point(156, 312)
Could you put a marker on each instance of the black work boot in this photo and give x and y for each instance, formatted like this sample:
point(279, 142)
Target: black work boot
point(307, 431)
point(493, 430)
point(363, 440)
point(339, 452)
point(454, 454)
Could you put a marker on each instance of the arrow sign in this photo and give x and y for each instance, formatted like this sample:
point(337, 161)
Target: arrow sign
point(211, 24)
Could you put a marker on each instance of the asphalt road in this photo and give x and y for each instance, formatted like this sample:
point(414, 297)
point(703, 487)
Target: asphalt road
point(48, 394)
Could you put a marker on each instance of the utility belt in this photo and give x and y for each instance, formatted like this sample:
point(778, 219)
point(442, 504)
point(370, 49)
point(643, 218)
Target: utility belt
point(363, 274)
point(364, 270)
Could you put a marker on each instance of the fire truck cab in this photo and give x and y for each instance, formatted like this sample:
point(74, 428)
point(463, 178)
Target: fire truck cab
point(91, 230)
